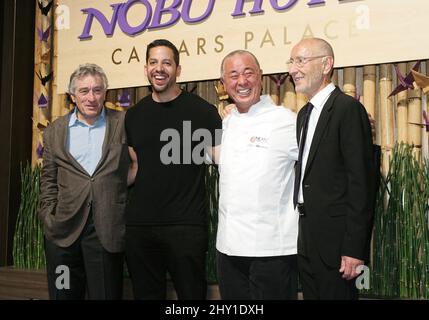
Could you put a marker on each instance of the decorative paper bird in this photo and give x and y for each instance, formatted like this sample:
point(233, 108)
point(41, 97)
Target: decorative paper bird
point(39, 151)
point(425, 117)
point(279, 79)
point(42, 102)
point(45, 79)
point(421, 80)
point(45, 9)
point(221, 92)
point(404, 82)
point(124, 99)
point(114, 106)
point(426, 120)
point(46, 57)
point(44, 35)
point(42, 124)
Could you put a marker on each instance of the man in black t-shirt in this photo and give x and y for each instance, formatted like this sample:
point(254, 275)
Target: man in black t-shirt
point(168, 133)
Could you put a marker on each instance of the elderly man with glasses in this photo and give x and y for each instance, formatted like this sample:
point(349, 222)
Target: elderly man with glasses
point(335, 183)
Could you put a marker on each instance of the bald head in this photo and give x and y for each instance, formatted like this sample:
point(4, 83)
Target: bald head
point(317, 46)
point(311, 65)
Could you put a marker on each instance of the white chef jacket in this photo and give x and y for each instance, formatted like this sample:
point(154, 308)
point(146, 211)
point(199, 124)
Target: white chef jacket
point(258, 153)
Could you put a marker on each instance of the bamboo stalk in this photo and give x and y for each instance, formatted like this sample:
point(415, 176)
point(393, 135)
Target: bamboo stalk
point(141, 92)
point(266, 84)
point(274, 92)
point(58, 102)
point(111, 96)
point(213, 98)
point(426, 133)
point(349, 86)
point(207, 87)
point(289, 96)
point(369, 87)
point(386, 119)
point(39, 115)
point(334, 78)
point(415, 118)
point(402, 109)
point(36, 90)
point(201, 89)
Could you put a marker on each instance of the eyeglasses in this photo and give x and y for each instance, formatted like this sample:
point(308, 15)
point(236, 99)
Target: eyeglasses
point(301, 61)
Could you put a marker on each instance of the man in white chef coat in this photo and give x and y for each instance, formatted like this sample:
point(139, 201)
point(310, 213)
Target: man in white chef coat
point(257, 231)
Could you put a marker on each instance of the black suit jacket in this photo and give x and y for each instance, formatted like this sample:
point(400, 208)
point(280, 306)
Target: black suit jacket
point(338, 183)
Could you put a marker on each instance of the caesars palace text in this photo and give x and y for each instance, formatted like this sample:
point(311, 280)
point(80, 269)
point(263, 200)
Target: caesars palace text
point(248, 40)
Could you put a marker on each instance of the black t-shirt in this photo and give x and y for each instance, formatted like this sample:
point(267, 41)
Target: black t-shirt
point(169, 186)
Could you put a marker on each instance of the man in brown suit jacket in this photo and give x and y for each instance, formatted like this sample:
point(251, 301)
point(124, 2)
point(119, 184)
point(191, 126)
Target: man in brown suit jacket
point(83, 193)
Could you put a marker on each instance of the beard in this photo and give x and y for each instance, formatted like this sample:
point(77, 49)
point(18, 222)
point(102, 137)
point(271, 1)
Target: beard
point(161, 88)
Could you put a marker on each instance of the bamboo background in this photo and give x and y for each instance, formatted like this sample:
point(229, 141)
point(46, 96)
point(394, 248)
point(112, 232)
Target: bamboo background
point(397, 120)
point(370, 84)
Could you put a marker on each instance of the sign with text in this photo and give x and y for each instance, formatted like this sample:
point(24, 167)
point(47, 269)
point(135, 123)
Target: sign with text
point(115, 34)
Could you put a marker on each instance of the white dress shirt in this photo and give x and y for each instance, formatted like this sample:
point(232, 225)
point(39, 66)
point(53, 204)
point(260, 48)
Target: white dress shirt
point(318, 101)
point(258, 153)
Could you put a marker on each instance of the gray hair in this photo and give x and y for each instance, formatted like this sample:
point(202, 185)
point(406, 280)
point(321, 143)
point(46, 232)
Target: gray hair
point(84, 70)
point(237, 52)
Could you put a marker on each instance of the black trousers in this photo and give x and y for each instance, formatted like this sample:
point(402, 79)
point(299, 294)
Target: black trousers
point(180, 250)
point(322, 282)
point(85, 269)
point(257, 278)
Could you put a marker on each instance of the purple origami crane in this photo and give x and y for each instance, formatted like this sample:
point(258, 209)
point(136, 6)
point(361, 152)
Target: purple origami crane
point(279, 79)
point(42, 102)
point(39, 151)
point(425, 117)
point(44, 35)
point(45, 9)
point(404, 82)
point(44, 79)
point(124, 99)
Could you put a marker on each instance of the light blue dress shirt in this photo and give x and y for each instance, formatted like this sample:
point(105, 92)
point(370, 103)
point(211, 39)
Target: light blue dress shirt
point(85, 142)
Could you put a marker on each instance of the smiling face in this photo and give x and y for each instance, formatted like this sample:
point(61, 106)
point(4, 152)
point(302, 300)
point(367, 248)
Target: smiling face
point(89, 96)
point(242, 79)
point(162, 71)
point(314, 74)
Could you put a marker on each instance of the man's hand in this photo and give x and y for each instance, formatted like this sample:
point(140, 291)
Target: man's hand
point(225, 111)
point(348, 267)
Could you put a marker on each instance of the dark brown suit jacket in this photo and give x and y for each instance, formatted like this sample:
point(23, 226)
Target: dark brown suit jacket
point(68, 191)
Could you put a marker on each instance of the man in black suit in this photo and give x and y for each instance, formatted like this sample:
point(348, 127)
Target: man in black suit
point(335, 181)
